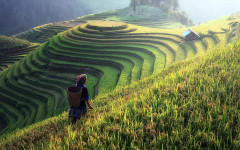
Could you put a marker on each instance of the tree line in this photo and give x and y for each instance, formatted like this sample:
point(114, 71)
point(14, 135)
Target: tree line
point(170, 6)
point(163, 4)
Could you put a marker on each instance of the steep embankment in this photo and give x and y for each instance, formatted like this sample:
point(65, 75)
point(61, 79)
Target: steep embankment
point(113, 54)
point(192, 104)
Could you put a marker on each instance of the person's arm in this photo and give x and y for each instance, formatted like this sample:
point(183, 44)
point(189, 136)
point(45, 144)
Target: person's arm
point(85, 94)
point(89, 106)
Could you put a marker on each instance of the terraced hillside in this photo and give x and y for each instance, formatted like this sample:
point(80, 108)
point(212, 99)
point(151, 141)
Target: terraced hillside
point(113, 54)
point(158, 19)
point(41, 34)
point(193, 104)
point(164, 21)
point(10, 43)
point(13, 50)
point(9, 58)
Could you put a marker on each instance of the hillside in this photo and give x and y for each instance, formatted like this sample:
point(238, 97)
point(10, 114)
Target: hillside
point(192, 104)
point(8, 43)
point(19, 16)
point(13, 50)
point(143, 16)
point(147, 16)
point(40, 34)
point(113, 54)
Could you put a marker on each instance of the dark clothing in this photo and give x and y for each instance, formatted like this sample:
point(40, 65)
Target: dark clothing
point(82, 109)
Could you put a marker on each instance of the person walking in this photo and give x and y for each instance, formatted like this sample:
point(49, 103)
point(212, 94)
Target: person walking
point(77, 113)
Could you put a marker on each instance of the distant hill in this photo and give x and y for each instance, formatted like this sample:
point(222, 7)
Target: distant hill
point(113, 54)
point(7, 43)
point(20, 15)
point(235, 16)
point(13, 50)
point(146, 16)
point(40, 34)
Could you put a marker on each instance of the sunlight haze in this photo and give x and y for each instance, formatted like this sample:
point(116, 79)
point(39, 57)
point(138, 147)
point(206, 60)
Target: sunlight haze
point(201, 11)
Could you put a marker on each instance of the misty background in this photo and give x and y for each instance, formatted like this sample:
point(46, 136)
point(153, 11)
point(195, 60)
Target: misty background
point(200, 11)
point(20, 15)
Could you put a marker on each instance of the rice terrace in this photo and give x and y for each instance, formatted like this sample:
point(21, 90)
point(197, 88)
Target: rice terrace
point(155, 81)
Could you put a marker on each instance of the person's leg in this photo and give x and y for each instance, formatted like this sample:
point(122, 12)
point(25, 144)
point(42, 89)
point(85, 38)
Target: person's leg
point(74, 120)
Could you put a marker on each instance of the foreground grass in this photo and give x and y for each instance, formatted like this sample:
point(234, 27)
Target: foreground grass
point(192, 104)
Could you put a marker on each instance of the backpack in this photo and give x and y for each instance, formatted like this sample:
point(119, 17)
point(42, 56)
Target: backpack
point(74, 95)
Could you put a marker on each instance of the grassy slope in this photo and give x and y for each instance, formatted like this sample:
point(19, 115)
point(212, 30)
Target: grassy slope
point(12, 43)
point(12, 50)
point(204, 30)
point(190, 104)
point(40, 34)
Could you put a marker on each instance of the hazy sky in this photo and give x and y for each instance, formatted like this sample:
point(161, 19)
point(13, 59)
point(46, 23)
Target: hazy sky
point(199, 11)
point(205, 10)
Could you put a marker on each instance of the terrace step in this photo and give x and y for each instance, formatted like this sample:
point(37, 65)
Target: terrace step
point(111, 53)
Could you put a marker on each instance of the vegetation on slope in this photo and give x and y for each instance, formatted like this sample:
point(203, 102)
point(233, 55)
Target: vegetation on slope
point(170, 7)
point(8, 43)
point(40, 34)
point(235, 16)
point(13, 50)
point(144, 15)
point(234, 32)
point(148, 16)
point(167, 5)
point(193, 104)
point(112, 56)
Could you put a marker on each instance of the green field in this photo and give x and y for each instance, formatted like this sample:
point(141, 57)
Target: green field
point(175, 76)
point(192, 104)
point(40, 34)
point(12, 50)
point(113, 54)
point(10, 43)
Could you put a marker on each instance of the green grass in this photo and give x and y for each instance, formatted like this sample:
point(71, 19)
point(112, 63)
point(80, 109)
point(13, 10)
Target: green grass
point(193, 104)
point(14, 55)
point(10, 43)
point(41, 34)
point(118, 55)
point(113, 48)
point(113, 58)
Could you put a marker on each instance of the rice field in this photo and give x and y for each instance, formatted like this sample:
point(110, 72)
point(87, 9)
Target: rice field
point(40, 34)
point(192, 104)
point(112, 54)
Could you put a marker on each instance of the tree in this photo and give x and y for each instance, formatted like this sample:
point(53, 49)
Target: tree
point(163, 4)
